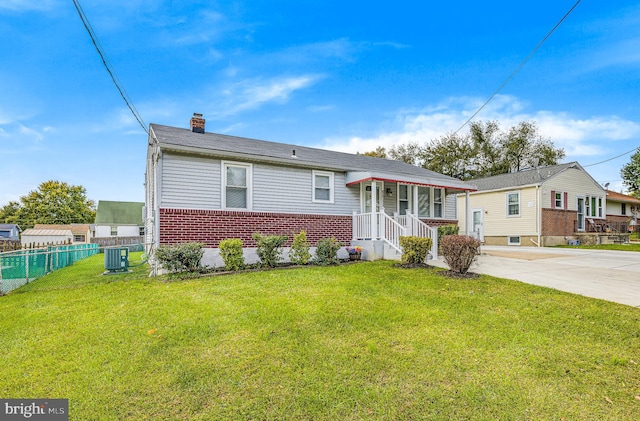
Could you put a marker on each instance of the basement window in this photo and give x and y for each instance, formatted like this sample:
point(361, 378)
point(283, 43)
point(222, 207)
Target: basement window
point(513, 240)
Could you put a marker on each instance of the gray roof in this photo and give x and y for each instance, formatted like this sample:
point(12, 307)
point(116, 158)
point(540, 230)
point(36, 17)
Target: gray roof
point(281, 153)
point(8, 226)
point(522, 178)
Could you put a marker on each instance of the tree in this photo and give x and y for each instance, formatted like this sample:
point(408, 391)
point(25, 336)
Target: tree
point(524, 148)
point(630, 174)
point(54, 202)
point(450, 155)
point(411, 153)
point(380, 152)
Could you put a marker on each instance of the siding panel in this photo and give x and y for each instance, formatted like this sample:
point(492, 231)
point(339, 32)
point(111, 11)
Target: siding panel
point(190, 182)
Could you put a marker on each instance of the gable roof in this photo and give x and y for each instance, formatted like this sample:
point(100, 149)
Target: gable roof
point(76, 229)
point(47, 232)
point(359, 167)
point(529, 177)
point(119, 213)
point(9, 226)
point(619, 197)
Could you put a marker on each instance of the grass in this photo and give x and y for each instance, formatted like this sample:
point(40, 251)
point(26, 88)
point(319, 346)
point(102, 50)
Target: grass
point(358, 341)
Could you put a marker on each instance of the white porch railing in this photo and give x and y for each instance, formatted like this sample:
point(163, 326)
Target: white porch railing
point(390, 229)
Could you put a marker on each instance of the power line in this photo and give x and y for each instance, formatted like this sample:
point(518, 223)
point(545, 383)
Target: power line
point(108, 66)
point(511, 76)
point(611, 159)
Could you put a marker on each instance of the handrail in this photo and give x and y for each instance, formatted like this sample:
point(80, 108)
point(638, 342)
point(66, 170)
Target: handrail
point(419, 229)
point(392, 231)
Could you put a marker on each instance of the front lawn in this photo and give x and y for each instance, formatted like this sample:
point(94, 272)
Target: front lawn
point(358, 341)
point(620, 247)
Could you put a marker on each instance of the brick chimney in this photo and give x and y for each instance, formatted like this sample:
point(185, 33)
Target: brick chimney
point(197, 123)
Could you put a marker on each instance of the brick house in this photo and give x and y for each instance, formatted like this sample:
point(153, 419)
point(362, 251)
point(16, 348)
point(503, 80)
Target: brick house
point(543, 206)
point(207, 187)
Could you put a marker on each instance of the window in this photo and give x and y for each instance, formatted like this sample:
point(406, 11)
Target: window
point(558, 199)
point(78, 238)
point(513, 204)
point(593, 207)
point(513, 240)
point(141, 231)
point(236, 185)
point(599, 207)
point(114, 231)
point(437, 203)
point(403, 199)
point(323, 187)
point(623, 209)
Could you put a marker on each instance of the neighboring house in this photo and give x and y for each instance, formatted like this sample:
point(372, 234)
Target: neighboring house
point(537, 207)
point(81, 232)
point(208, 187)
point(9, 232)
point(41, 237)
point(119, 219)
point(622, 212)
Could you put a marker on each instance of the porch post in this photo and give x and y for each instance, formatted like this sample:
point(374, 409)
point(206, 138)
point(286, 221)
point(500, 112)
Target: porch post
point(374, 211)
point(355, 232)
point(467, 218)
point(414, 189)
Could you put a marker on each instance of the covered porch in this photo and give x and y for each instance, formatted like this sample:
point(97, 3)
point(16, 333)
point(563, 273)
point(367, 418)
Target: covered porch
point(393, 207)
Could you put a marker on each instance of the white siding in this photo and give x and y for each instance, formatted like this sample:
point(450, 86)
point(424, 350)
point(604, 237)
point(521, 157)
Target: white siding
point(190, 182)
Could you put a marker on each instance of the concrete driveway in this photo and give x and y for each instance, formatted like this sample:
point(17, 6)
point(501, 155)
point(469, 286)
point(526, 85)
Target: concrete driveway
point(608, 275)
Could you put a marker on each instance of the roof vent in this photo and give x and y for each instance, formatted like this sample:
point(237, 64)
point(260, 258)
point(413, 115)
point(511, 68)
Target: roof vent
point(197, 123)
point(293, 154)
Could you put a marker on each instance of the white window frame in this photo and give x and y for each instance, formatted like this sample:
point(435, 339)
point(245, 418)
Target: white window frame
point(407, 200)
point(555, 200)
point(594, 207)
point(516, 215)
point(513, 243)
point(113, 231)
point(223, 191)
point(331, 176)
point(432, 196)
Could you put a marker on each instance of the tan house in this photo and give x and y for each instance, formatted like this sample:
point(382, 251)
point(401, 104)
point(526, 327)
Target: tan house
point(622, 212)
point(81, 232)
point(543, 206)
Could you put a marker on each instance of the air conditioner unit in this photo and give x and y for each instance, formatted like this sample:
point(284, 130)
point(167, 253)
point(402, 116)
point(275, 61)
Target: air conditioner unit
point(116, 259)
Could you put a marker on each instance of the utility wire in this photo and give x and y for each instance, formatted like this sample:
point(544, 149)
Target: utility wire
point(511, 76)
point(611, 159)
point(108, 66)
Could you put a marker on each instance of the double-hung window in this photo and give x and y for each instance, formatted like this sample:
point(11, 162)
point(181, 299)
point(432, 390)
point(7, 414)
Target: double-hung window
point(430, 202)
point(323, 186)
point(513, 204)
point(437, 203)
point(559, 200)
point(403, 198)
point(236, 183)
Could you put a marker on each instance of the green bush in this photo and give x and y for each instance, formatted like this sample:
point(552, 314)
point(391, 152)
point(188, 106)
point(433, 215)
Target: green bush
point(414, 249)
point(327, 252)
point(269, 248)
point(459, 252)
point(449, 229)
point(180, 258)
point(231, 253)
point(299, 253)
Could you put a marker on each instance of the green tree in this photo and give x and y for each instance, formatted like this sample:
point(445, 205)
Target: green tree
point(451, 155)
point(8, 213)
point(380, 152)
point(522, 147)
point(411, 153)
point(54, 202)
point(630, 174)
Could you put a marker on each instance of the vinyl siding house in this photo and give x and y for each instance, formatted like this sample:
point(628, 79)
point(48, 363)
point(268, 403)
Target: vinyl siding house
point(537, 207)
point(208, 187)
point(622, 213)
point(9, 232)
point(119, 219)
point(81, 233)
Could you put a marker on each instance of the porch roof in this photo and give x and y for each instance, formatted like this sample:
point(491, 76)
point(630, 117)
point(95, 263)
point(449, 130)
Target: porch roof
point(357, 177)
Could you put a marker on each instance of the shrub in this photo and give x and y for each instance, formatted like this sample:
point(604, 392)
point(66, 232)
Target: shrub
point(299, 253)
point(231, 253)
point(180, 258)
point(269, 248)
point(327, 252)
point(449, 229)
point(414, 249)
point(459, 252)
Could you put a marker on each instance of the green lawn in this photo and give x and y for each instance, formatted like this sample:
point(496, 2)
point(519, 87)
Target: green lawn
point(620, 247)
point(358, 341)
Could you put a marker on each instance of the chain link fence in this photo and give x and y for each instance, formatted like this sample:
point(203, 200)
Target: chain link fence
point(20, 267)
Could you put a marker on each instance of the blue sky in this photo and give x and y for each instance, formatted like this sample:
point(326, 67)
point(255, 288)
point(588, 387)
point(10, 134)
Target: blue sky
point(344, 75)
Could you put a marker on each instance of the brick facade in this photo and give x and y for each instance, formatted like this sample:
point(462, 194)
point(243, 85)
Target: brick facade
point(558, 222)
point(212, 226)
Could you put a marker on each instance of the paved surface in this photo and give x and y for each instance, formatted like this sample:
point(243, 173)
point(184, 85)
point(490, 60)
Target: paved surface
point(608, 275)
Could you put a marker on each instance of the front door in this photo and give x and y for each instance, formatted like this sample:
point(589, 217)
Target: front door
point(477, 225)
point(367, 197)
point(581, 205)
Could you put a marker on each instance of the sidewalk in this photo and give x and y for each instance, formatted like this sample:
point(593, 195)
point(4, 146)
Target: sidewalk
point(607, 275)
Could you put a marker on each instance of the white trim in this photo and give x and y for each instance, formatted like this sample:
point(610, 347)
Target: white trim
point(223, 178)
point(555, 201)
point(331, 176)
point(408, 199)
point(507, 203)
point(510, 243)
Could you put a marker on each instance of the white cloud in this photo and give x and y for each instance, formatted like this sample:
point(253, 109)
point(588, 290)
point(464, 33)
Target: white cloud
point(251, 94)
point(580, 137)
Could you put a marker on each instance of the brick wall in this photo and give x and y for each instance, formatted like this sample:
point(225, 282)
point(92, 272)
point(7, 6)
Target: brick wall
point(558, 222)
point(212, 226)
